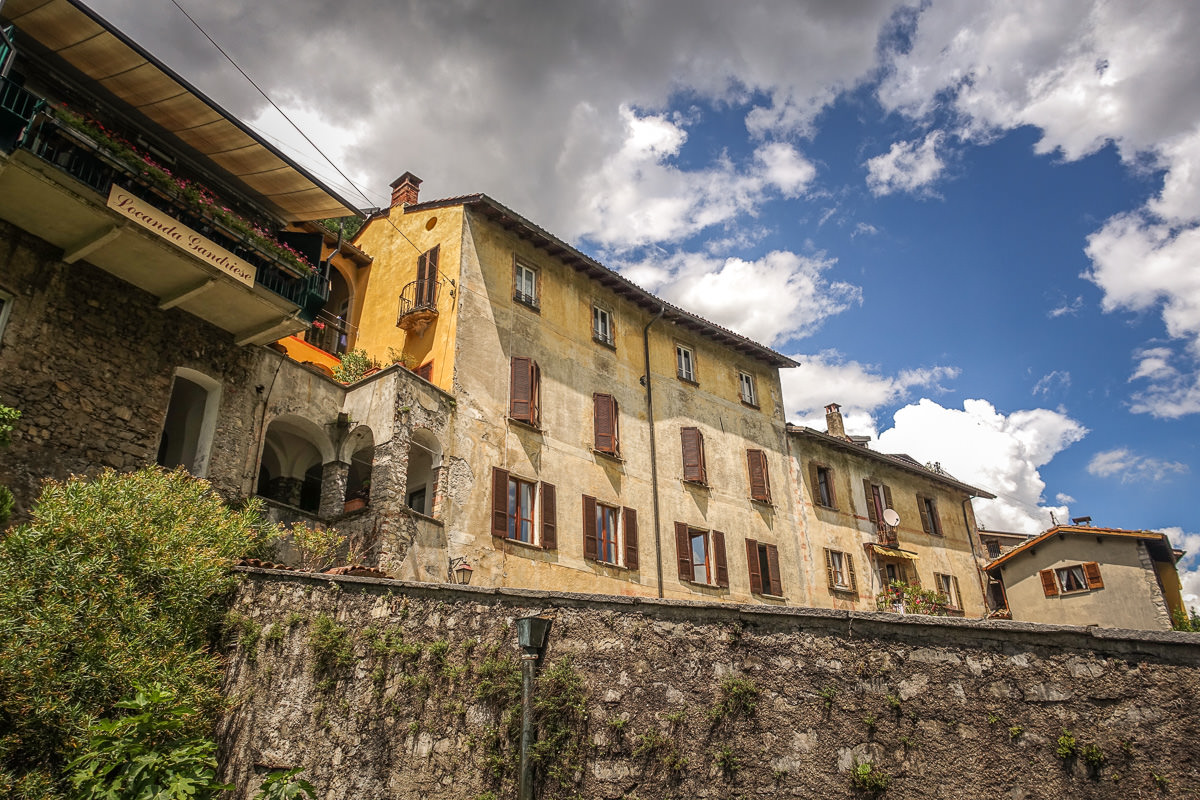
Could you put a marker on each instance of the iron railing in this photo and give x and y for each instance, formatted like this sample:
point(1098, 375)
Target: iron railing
point(420, 295)
point(329, 333)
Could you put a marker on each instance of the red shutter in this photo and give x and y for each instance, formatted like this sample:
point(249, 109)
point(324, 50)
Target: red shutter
point(756, 584)
point(499, 502)
point(590, 550)
point(521, 389)
point(602, 419)
point(693, 454)
point(719, 557)
point(549, 517)
point(1048, 584)
point(760, 482)
point(776, 583)
point(871, 515)
point(1092, 571)
point(683, 549)
point(631, 538)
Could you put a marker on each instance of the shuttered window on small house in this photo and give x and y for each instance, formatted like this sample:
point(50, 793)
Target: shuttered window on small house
point(839, 568)
point(427, 272)
point(930, 522)
point(524, 391)
point(693, 455)
point(821, 478)
point(760, 478)
point(604, 423)
point(1049, 585)
point(610, 532)
point(701, 556)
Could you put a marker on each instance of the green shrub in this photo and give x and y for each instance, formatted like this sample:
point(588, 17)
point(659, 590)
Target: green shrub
point(113, 580)
point(739, 698)
point(280, 785)
point(331, 648)
point(354, 366)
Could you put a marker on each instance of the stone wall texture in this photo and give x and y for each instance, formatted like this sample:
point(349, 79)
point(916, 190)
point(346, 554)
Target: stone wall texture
point(384, 689)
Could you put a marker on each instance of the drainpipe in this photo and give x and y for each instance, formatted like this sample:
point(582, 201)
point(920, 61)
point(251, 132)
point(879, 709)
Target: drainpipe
point(653, 450)
point(531, 636)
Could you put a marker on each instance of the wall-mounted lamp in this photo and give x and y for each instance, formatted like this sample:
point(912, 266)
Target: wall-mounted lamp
point(460, 571)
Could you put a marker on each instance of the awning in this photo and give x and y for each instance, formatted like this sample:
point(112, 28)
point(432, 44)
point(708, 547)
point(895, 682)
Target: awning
point(892, 552)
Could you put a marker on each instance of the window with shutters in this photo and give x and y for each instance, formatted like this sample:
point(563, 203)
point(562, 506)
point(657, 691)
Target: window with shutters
point(701, 556)
point(839, 569)
point(763, 563)
point(760, 478)
point(525, 284)
point(610, 534)
point(602, 326)
point(605, 424)
point(425, 371)
point(427, 273)
point(748, 391)
point(947, 585)
point(524, 511)
point(930, 522)
point(1071, 579)
point(685, 363)
point(524, 391)
point(693, 456)
point(821, 477)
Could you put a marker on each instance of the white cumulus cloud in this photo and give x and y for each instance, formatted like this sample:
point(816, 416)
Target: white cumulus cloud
point(906, 167)
point(1131, 467)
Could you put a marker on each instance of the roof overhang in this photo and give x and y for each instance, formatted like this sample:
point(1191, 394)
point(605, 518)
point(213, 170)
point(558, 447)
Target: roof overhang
point(107, 59)
point(1157, 543)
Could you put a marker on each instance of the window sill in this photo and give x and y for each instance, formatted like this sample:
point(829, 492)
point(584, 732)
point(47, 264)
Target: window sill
point(605, 342)
point(688, 381)
point(748, 404)
point(699, 585)
point(526, 545)
point(762, 502)
point(822, 505)
point(609, 456)
point(608, 564)
point(844, 590)
point(696, 484)
point(527, 425)
point(532, 305)
point(766, 596)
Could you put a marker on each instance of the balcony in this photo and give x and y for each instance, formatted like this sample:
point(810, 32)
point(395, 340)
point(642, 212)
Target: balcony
point(418, 305)
point(171, 239)
point(329, 333)
point(886, 535)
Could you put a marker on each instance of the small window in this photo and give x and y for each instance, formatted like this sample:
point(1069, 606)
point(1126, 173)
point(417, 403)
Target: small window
point(605, 424)
point(701, 555)
point(6, 302)
point(693, 456)
point(746, 384)
point(947, 585)
point(524, 402)
point(525, 284)
point(602, 327)
point(839, 568)
point(929, 516)
point(822, 485)
point(760, 478)
point(993, 548)
point(515, 511)
point(1071, 579)
point(763, 563)
point(685, 363)
point(610, 534)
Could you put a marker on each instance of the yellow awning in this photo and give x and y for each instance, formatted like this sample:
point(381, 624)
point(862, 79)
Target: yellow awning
point(892, 552)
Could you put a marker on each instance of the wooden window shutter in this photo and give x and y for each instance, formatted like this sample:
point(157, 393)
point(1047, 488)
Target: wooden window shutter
point(693, 454)
point(814, 480)
point(1048, 584)
point(850, 571)
point(425, 371)
point(776, 583)
point(870, 494)
point(549, 517)
point(535, 394)
point(604, 422)
point(590, 550)
point(629, 518)
point(887, 496)
point(756, 583)
point(720, 560)
point(760, 482)
point(957, 594)
point(683, 548)
point(925, 522)
point(829, 569)
point(1091, 571)
point(520, 402)
point(499, 502)
point(832, 488)
point(427, 272)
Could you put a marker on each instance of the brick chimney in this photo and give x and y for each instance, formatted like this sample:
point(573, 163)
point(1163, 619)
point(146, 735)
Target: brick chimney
point(833, 421)
point(405, 190)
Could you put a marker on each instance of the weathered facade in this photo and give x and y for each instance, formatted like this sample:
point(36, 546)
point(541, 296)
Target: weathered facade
point(852, 552)
point(1081, 575)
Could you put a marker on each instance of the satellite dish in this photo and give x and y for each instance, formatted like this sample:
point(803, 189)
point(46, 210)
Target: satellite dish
point(891, 517)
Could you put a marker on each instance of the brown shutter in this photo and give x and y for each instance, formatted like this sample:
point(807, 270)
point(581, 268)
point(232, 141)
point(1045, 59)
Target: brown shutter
point(850, 570)
point(602, 423)
point(719, 557)
point(887, 496)
point(924, 514)
point(535, 396)
point(683, 549)
point(832, 488)
point(1048, 584)
point(427, 271)
point(1092, 571)
point(521, 389)
point(499, 502)
point(631, 538)
point(871, 515)
point(590, 550)
point(814, 483)
point(829, 569)
point(776, 583)
point(760, 484)
point(756, 583)
point(422, 268)
point(549, 517)
point(693, 454)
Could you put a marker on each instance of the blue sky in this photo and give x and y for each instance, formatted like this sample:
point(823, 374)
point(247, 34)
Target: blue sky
point(976, 224)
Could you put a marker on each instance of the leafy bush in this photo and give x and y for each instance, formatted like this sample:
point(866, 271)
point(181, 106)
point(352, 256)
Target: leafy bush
point(354, 366)
point(281, 785)
point(320, 548)
point(912, 598)
point(114, 579)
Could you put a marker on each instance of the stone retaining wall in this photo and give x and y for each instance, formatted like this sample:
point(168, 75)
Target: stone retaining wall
point(414, 705)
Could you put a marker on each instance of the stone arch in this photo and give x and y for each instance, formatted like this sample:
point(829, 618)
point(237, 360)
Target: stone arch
point(424, 467)
point(190, 423)
point(294, 452)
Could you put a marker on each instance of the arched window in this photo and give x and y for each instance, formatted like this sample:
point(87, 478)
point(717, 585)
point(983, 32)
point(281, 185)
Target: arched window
point(294, 453)
point(191, 421)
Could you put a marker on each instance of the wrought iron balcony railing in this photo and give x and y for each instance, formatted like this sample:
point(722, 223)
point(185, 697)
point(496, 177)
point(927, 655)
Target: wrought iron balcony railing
point(418, 305)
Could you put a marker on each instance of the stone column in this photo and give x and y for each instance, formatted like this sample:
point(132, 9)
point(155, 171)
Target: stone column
point(334, 476)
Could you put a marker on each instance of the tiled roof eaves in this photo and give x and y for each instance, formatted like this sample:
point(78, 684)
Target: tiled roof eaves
point(1073, 529)
point(894, 461)
point(613, 279)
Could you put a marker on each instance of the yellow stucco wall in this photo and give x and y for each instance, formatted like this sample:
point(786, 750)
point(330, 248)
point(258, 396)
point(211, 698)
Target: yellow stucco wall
point(847, 528)
point(1130, 597)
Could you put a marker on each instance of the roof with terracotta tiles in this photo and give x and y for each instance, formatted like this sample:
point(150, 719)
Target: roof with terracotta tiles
point(1086, 530)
